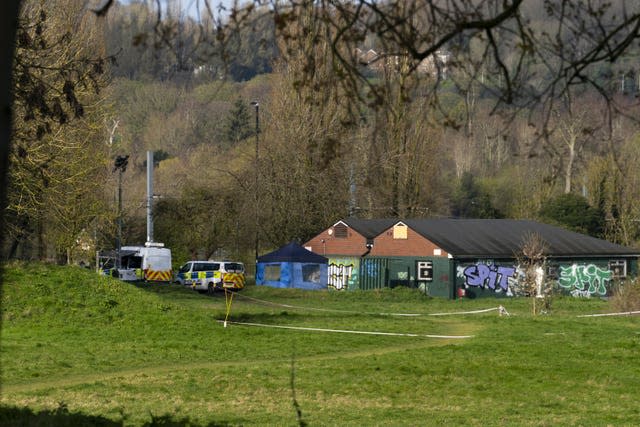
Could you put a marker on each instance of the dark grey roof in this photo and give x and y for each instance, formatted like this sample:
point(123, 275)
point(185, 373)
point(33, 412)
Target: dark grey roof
point(293, 252)
point(495, 237)
point(504, 238)
point(370, 228)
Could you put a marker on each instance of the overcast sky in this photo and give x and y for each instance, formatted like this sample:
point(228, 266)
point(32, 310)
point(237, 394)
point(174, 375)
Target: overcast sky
point(191, 6)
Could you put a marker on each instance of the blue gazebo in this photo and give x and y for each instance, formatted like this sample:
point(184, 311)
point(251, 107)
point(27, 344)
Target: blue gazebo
point(292, 266)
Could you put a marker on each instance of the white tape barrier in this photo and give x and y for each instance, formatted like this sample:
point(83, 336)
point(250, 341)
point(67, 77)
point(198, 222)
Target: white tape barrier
point(500, 309)
point(344, 331)
point(624, 313)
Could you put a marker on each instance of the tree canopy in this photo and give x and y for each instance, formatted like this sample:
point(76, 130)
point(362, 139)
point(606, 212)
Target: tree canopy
point(476, 108)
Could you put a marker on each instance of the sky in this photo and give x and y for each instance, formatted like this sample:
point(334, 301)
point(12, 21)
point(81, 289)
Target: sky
point(190, 6)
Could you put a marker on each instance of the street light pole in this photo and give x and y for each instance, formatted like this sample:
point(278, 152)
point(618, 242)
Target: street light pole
point(119, 165)
point(119, 243)
point(256, 105)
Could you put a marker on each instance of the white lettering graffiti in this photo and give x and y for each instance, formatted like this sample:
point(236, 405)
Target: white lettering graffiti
point(584, 294)
point(339, 275)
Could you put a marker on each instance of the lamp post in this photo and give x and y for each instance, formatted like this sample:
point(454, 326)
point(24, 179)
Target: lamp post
point(256, 105)
point(119, 165)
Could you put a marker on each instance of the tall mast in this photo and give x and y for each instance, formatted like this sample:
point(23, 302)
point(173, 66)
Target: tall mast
point(149, 196)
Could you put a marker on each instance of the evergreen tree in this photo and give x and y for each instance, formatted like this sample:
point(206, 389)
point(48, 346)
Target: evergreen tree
point(573, 211)
point(238, 123)
point(471, 201)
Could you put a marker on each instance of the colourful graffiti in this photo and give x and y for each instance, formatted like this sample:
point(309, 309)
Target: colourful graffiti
point(584, 280)
point(579, 280)
point(372, 269)
point(488, 276)
point(341, 274)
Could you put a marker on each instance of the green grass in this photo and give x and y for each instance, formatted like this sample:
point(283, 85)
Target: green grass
point(78, 349)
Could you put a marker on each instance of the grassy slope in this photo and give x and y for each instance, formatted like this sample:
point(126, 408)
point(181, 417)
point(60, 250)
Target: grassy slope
point(109, 352)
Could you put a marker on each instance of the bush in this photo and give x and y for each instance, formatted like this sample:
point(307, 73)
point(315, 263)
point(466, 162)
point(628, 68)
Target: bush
point(572, 211)
point(626, 296)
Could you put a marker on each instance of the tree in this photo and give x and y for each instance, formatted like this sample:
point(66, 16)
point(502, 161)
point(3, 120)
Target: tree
point(524, 59)
point(303, 180)
point(58, 70)
point(9, 12)
point(203, 212)
point(129, 37)
point(238, 122)
point(574, 212)
point(531, 265)
point(520, 59)
point(522, 55)
point(613, 186)
point(470, 201)
point(400, 149)
point(573, 128)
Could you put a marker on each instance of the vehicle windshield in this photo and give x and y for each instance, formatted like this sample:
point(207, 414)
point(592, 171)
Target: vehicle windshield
point(206, 266)
point(234, 267)
point(131, 262)
point(184, 268)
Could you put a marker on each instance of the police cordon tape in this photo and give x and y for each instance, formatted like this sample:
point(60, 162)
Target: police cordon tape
point(624, 313)
point(501, 310)
point(345, 331)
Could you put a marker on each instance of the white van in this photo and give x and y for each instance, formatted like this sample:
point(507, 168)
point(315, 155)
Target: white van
point(151, 263)
point(207, 276)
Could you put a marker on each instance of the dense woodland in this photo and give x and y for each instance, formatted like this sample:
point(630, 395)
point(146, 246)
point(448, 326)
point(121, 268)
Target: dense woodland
point(91, 88)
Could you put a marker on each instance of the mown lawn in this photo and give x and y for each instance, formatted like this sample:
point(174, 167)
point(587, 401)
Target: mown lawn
point(78, 349)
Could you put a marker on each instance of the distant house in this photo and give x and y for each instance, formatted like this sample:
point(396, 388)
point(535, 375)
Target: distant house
point(435, 65)
point(442, 256)
point(366, 57)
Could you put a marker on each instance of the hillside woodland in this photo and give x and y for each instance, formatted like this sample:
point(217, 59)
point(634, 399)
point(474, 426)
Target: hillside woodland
point(389, 137)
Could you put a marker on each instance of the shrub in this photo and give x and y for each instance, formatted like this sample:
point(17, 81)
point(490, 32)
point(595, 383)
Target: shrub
point(626, 296)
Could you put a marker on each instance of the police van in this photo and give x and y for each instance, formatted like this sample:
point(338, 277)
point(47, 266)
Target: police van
point(207, 276)
point(151, 263)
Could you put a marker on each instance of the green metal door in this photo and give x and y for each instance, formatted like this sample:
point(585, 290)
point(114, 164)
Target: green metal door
point(400, 273)
point(373, 273)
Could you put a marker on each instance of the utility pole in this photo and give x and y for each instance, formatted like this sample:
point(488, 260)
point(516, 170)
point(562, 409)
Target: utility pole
point(256, 196)
point(119, 165)
point(149, 196)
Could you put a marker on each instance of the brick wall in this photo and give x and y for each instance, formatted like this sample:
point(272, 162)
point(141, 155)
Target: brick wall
point(384, 244)
point(413, 245)
point(326, 243)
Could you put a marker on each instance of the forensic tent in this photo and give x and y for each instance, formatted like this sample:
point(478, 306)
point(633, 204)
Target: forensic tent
point(292, 266)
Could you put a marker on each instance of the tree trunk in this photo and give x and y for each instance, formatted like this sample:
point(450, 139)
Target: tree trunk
point(9, 16)
point(569, 171)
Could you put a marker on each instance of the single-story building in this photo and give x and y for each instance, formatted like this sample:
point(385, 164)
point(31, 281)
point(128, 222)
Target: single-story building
point(479, 256)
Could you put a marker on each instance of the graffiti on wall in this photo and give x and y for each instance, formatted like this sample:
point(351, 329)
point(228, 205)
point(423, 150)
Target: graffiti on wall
point(579, 280)
point(341, 274)
point(489, 276)
point(371, 269)
point(584, 280)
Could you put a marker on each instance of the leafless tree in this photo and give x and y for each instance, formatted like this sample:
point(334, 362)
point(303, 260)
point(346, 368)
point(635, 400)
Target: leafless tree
point(532, 264)
point(526, 56)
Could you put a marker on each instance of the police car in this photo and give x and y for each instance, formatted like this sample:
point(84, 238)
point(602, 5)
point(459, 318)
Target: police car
point(207, 276)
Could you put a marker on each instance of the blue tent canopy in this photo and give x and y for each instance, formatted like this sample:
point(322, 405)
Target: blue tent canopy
point(292, 266)
point(293, 252)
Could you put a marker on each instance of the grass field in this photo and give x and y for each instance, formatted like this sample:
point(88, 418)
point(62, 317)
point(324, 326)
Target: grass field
point(78, 349)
